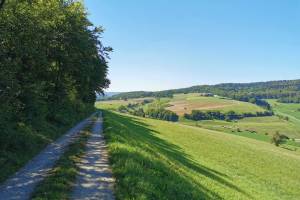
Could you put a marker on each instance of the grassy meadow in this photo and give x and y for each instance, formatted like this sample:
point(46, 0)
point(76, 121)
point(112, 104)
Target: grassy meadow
point(292, 110)
point(115, 104)
point(185, 103)
point(266, 126)
point(260, 128)
point(153, 159)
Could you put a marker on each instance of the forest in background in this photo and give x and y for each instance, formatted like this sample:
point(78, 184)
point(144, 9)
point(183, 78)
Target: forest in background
point(287, 91)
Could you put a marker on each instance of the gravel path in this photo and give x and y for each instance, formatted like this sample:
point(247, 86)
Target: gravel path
point(95, 180)
point(22, 184)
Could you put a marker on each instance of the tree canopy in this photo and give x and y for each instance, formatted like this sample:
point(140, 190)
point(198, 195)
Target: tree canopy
point(51, 64)
point(51, 56)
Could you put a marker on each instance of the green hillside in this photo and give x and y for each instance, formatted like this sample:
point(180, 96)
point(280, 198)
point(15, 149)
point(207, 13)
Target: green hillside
point(292, 110)
point(115, 104)
point(256, 127)
point(185, 103)
point(153, 159)
point(262, 128)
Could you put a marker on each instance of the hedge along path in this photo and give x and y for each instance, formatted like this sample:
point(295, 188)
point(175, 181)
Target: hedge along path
point(95, 180)
point(21, 185)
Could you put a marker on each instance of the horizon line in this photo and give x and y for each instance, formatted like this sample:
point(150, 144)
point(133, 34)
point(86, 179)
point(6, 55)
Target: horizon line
point(247, 82)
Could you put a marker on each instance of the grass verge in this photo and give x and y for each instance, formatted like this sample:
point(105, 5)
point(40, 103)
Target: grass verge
point(59, 183)
point(20, 142)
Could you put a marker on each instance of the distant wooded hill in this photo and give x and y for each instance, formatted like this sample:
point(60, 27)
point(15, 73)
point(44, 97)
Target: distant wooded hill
point(284, 90)
point(106, 95)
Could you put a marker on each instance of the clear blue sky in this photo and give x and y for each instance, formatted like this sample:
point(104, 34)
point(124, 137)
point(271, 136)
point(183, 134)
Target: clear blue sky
point(163, 44)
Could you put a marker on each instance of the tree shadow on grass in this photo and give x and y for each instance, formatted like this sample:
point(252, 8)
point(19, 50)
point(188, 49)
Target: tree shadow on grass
point(147, 165)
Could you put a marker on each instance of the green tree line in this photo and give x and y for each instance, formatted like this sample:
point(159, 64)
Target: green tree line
point(198, 115)
point(162, 114)
point(290, 99)
point(51, 64)
point(155, 113)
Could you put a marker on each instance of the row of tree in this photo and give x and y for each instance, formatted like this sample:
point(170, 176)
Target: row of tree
point(51, 64)
point(198, 115)
point(290, 99)
point(162, 114)
point(141, 94)
point(254, 100)
point(155, 113)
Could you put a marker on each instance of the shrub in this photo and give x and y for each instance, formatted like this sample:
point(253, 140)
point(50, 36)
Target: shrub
point(278, 138)
point(140, 112)
point(146, 101)
point(162, 114)
point(286, 118)
point(122, 109)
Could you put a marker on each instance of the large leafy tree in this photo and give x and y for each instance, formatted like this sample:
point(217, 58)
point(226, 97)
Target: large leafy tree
point(51, 64)
point(51, 56)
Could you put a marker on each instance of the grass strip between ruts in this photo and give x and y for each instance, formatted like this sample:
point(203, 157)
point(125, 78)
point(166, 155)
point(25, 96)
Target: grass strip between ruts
point(58, 184)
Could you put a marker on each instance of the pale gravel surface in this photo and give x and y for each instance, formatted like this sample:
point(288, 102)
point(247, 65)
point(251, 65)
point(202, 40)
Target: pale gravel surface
point(21, 185)
point(95, 180)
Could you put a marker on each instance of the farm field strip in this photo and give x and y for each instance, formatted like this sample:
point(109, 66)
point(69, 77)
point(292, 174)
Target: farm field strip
point(185, 103)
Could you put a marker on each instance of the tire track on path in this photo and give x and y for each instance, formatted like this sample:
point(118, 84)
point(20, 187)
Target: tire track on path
point(95, 180)
point(21, 185)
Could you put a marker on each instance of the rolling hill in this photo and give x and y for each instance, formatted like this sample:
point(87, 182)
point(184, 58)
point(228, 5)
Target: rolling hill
point(240, 91)
point(164, 160)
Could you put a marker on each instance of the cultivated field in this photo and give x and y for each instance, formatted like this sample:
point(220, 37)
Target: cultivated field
point(153, 159)
point(262, 128)
point(185, 103)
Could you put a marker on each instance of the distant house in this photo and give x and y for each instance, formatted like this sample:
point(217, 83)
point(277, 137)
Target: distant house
point(206, 94)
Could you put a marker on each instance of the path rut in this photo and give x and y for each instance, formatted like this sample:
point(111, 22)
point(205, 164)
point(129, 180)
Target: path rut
point(95, 180)
point(22, 184)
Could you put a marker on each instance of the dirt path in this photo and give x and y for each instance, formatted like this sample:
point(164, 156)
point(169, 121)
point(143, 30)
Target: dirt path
point(22, 184)
point(95, 179)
